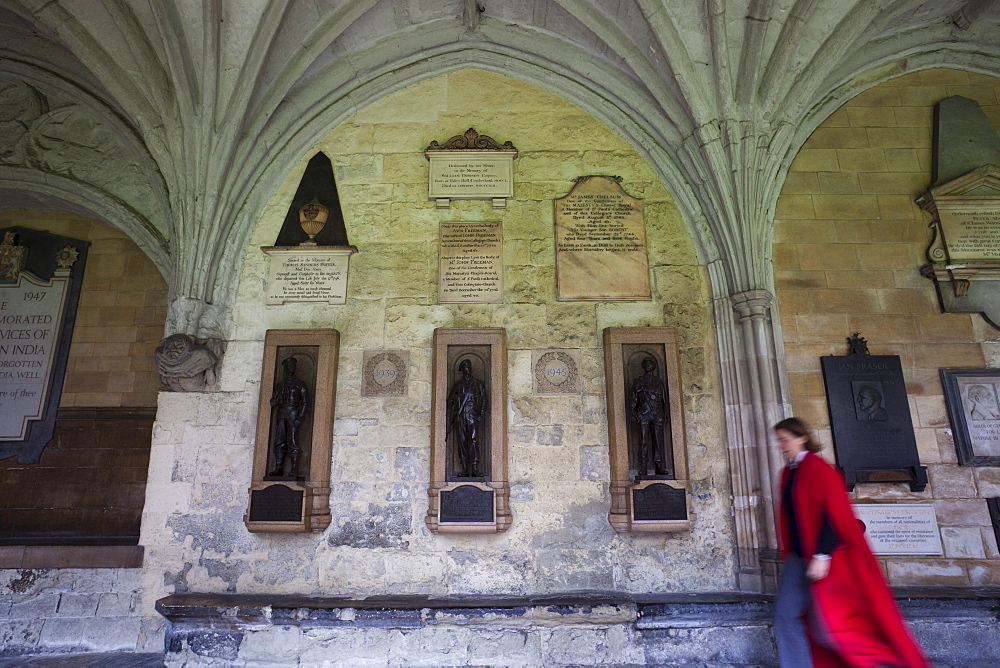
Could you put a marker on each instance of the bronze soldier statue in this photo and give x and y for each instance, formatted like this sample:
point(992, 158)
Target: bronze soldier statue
point(466, 408)
point(648, 405)
point(290, 402)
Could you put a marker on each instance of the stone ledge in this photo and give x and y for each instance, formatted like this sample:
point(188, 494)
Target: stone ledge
point(71, 556)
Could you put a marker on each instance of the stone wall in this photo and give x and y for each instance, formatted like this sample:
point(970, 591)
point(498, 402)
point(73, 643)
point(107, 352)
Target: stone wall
point(560, 539)
point(849, 244)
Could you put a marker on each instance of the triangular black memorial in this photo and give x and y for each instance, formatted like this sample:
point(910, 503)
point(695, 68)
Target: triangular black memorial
point(318, 182)
point(964, 140)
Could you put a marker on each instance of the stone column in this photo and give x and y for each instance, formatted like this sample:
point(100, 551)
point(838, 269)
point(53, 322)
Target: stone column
point(753, 385)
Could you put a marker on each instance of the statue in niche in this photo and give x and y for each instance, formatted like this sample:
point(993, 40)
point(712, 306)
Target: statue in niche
point(647, 403)
point(466, 410)
point(186, 365)
point(289, 402)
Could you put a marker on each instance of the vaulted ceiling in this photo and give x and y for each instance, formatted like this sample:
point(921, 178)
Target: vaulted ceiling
point(174, 119)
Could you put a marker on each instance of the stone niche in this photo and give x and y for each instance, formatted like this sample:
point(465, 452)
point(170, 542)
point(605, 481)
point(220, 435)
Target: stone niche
point(469, 491)
point(650, 489)
point(291, 463)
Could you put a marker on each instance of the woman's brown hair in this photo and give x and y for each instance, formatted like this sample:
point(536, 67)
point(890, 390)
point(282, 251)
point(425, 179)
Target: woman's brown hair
point(797, 427)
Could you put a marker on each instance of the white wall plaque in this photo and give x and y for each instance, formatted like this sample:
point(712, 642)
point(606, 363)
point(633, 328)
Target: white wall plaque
point(471, 166)
point(600, 237)
point(470, 263)
point(898, 528)
point(30, 320)
point(314, 274)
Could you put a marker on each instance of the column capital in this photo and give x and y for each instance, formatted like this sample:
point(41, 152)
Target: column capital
point(751, 303)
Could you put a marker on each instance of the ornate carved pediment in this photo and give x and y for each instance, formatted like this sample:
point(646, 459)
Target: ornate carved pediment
point(470, 141)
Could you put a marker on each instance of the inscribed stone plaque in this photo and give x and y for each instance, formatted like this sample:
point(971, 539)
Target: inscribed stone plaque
point(470, 268)
point(555, 372)
point(897, 528)
point(385, 373)
point(870, 415)
point(659, 501)
point(307, 276)
point(600, 243)
point(40, 280)
point(477, 176)
point(973, 400)
point(466, 503)
point(971, 232)
point(276, 503)
point(30, 318)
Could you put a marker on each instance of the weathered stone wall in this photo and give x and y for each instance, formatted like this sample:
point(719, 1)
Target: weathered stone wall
point(48, 611)
point(849, 244)
point(561, 539)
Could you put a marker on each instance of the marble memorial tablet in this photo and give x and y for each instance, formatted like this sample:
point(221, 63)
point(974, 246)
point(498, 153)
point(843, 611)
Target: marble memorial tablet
point(41, 276)
point(298, 275)
point(897, 528)
point(385, 373)
point(971, 230)
point(555, 372)
point(471, 166)
point(470, 263)
point(600, 237)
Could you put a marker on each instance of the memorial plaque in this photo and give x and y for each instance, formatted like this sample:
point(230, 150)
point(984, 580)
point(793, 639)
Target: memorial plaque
point(471, 166)
point(971, 232)
point(600, 239)
point(994, 507)
point(276, 503)
point(470, 264)
point(298, 275)
point(385, 373)
point(659, 501)
point(870, 416)
point(466, 503)
point(468, 491)
point(555, 372)
point(897, 528)
point(295, 416)
point(40, 280)
point(973, 400)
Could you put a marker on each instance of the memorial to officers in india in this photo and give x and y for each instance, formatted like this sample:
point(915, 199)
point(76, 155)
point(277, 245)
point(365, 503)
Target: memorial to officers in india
point(453, 332)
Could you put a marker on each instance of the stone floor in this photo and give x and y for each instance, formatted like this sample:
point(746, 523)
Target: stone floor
point(116, 660)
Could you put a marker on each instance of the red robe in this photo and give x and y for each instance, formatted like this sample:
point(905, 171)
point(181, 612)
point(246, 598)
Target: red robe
point(853, 605)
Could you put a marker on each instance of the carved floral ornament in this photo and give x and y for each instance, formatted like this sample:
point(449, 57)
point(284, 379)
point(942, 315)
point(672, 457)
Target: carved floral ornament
point(470, 141)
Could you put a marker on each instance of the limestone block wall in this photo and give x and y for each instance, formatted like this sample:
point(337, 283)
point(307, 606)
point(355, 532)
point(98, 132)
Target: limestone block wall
point(560, 539)
point(849, 243)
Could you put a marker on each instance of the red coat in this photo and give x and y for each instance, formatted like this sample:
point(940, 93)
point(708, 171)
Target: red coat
point(853, 605)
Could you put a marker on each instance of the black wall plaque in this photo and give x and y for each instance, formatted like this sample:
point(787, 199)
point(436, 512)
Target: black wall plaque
point(659, 502)
point(467, 503)
point(276, 503)
point(870, 416)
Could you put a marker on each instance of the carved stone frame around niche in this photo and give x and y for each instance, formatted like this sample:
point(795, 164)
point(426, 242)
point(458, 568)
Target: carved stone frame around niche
point(301, 502)
point(643, 501)
point(479, 504)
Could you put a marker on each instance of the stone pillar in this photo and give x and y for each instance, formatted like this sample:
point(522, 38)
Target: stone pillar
point(753, 385)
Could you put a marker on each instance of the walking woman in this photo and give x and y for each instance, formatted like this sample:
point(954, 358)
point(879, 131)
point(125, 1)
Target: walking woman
point(833, 608)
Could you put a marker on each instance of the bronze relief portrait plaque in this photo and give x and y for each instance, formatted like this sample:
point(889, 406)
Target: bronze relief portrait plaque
point(973, 400)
